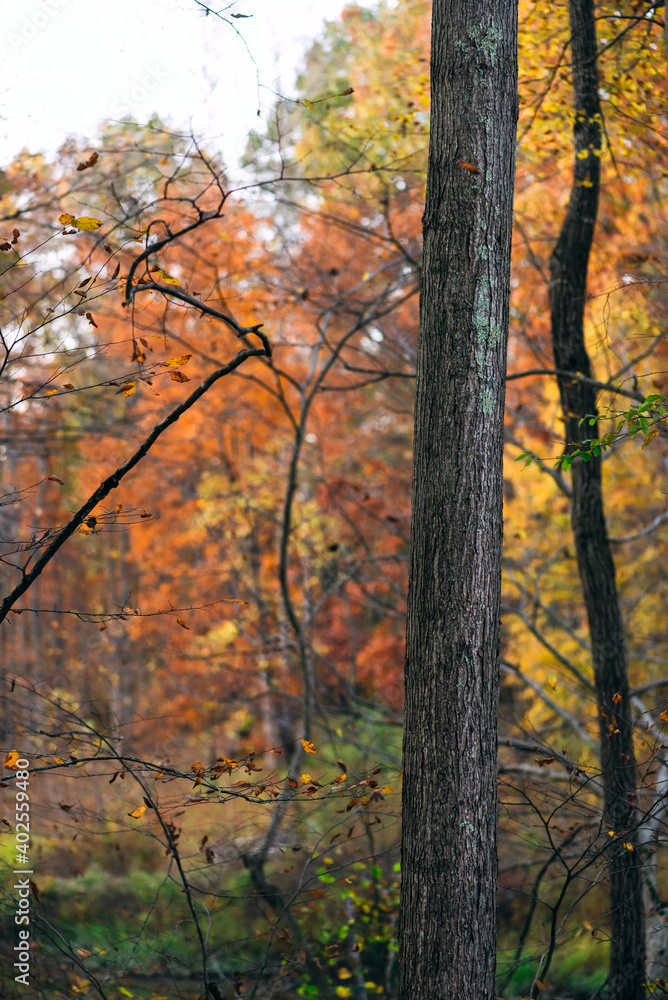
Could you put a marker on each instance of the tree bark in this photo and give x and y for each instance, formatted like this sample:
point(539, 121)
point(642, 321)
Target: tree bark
point(568, 282)
point(447, 925)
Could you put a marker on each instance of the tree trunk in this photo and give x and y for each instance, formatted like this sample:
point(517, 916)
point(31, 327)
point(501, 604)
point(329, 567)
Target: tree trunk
point(447, 926)
point(568, 282)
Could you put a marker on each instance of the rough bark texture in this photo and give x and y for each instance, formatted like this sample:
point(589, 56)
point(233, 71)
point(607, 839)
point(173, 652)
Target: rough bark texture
point(447, 927)
point(568, 282)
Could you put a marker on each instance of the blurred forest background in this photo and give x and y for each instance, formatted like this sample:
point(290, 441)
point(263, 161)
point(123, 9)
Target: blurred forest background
point(207, 677)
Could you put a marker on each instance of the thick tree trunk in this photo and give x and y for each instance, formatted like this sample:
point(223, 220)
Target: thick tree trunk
point(447, 928)
point(568, 282)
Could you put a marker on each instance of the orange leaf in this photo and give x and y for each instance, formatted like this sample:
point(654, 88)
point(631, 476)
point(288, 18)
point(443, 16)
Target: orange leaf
point(180, 621)
point(11, 759)
point(138, 812)
point(308, 746)
point(468, 166)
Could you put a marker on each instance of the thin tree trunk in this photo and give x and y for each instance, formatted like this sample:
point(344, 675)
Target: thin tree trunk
point(568, 282)
point(447, 924)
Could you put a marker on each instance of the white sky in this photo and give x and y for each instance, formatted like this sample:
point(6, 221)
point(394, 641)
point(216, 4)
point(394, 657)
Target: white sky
point(69, 64)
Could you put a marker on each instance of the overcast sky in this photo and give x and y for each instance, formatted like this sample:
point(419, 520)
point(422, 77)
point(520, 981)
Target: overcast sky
point(69, 64)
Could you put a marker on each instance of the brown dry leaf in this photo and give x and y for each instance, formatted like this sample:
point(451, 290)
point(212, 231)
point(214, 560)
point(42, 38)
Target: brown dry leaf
point(180, 621)
point(90, 162)
point(545, 761)
point(178, 377)
point(56, 479)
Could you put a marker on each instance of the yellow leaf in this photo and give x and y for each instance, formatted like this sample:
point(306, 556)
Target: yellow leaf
point(308, 746)
point(65, 219)
point(387, 789)
point(179, 377)
point(305, 778)
point(128, 389)
point(553, 681)
point(650, 437)
point(168, 278)
point(86, 224)
point(11, 759)
point(345, 974)
point(138, 812)
point(58, 760)
point(180, 621)
point(309, 104)
point(183, 359)
point(629, 847)
point(51, 392)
